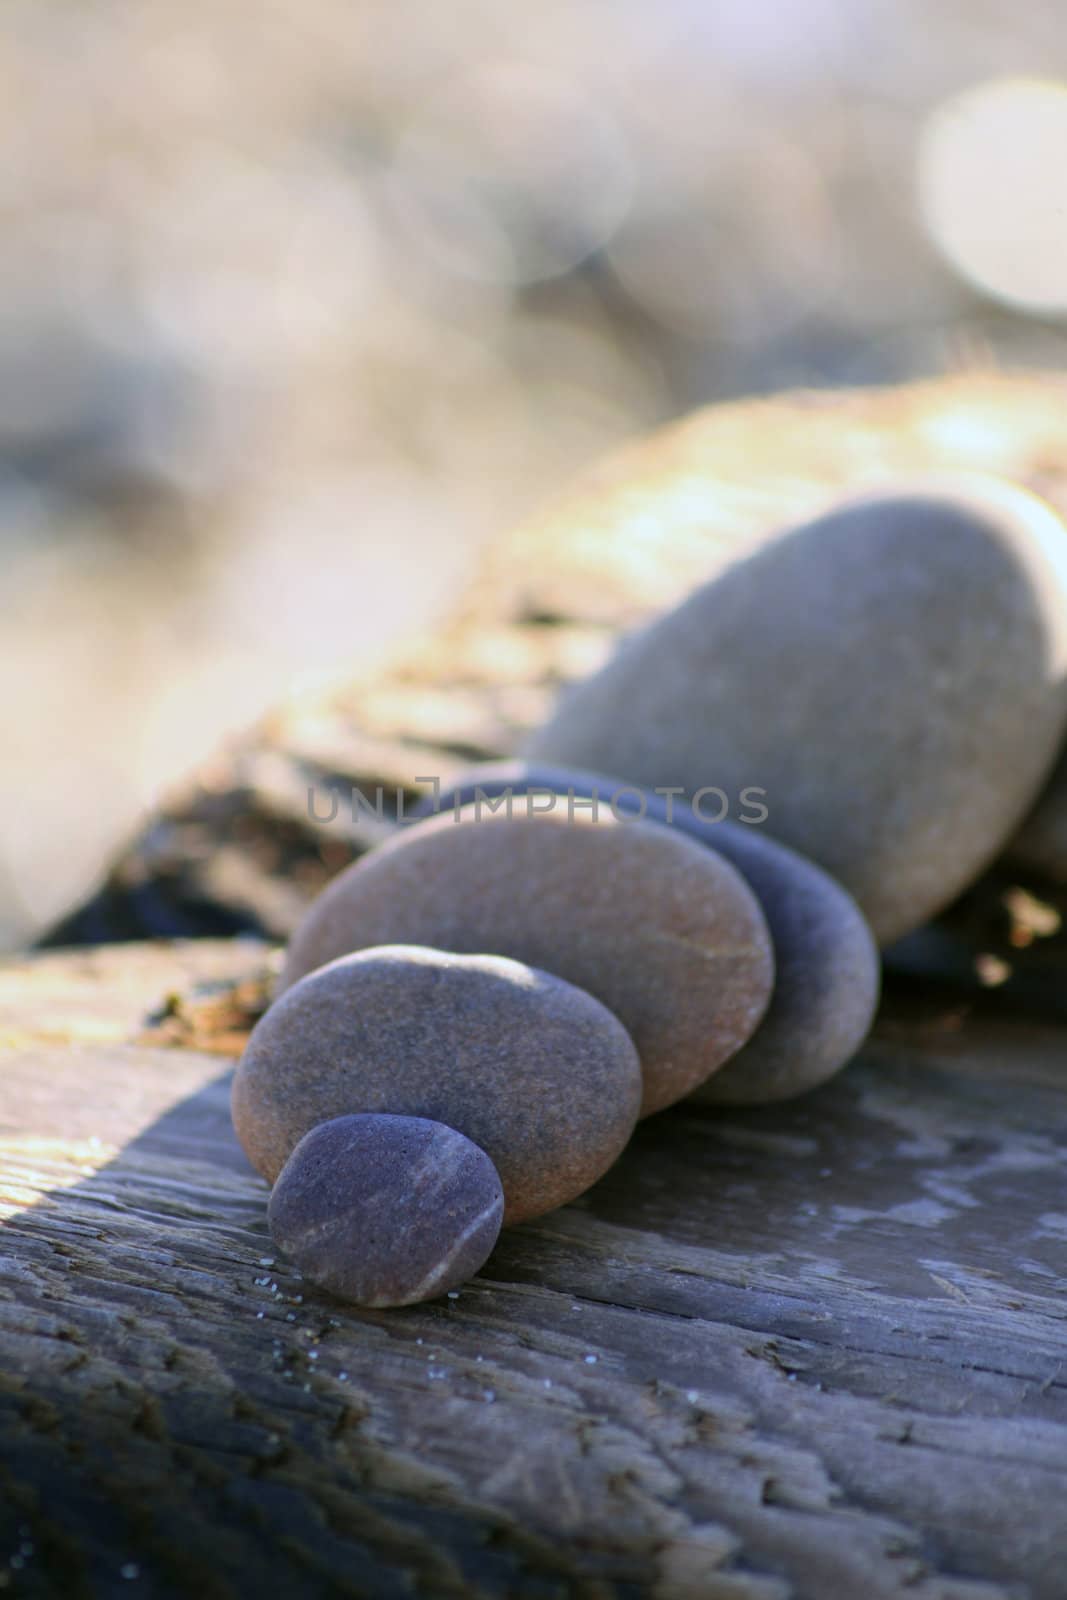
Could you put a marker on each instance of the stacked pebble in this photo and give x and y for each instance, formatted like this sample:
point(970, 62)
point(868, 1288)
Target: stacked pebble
point(826, 967)
point(539, 1074)
point(666, 934)
point(473, 1016)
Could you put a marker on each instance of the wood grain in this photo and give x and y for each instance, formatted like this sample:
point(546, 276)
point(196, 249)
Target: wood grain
point(815, 1350)
point(808, 1352)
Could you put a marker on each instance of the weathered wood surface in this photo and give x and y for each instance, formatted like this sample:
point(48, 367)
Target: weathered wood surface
point(830, 1340)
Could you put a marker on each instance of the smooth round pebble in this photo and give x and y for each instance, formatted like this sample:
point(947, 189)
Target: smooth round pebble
point(386, 1210)
point(827, 969)
point(539, 1074)
point(666, 934)
point(892, 675)
point(828, 975)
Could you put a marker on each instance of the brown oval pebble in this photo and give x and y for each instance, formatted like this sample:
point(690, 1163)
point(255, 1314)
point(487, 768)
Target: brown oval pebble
point(386, 1210)
point(827, 971)
point(536, 1072)
point(665, 933)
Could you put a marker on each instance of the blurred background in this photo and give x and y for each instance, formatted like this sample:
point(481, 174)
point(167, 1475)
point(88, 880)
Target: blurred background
point(301, 302)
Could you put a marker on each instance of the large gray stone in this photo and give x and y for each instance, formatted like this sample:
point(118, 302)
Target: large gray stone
point(891, 675)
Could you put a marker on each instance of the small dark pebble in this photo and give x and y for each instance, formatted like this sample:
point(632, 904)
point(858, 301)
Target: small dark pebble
point(386, 1211)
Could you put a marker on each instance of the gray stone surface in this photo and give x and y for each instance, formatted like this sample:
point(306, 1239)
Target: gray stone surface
point(386, 1211)
point(668, 935)
point(535, 1071)
point(891, 674)
point(827, 969)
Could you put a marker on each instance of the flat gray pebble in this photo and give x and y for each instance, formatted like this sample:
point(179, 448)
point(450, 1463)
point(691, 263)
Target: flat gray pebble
point(537, 1072)
point(667, 935)
point(827, 968)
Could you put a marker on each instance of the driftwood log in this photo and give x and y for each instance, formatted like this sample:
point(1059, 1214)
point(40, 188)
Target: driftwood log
point(818, 1350)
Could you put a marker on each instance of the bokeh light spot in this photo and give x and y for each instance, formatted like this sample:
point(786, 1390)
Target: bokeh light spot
point(993, 189)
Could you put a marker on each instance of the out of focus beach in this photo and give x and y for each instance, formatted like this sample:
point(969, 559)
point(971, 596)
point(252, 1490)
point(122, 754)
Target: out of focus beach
point(299, 305)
